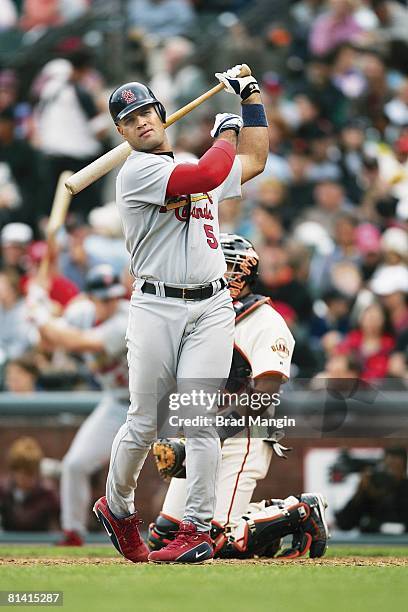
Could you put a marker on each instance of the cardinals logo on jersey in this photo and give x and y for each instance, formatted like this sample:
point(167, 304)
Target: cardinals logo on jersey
point(200, 209)
point(196, 206)
point(128, 96)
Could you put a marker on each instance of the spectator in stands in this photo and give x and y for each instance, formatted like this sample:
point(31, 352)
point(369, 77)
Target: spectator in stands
point(50, 13)
point(345, 250)
point(160, 18)
point(377, 91)
point(276, 164)
point(390, 283)
point(60, 289)
point(15, 332)
point(27, 502)
point(371, 342)
point(276, 280)
point(351, 147)
point(329, 201)
point(10, 98)
point(15, 239)
point(336, 26)
point(23, 162)
point(368, 245)
point(305, 12)
point(39, 13)
point(74, 261)
point(346, 74)
point(272, 196)
point(332, 103)
point(394, 246)
point(377, 203)
point(89, 78)
point(323, 155)
point(230, 219)
point(391, 35)
point(180, 80)
point(105, 243)
point(331, 318)
point(397, 108)
point(341, 372)
point(8, 15)
point(68, 131)
point(381, 496)
point(72, 9)
point(267, 227)
point(398, 363)
point(22, 374)
point(10, 196)
point(8, 89)
point(300, 188)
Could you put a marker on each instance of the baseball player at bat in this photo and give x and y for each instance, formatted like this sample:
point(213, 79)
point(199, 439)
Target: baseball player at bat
point(95, 328)
point(181, 319)
point(263, 347)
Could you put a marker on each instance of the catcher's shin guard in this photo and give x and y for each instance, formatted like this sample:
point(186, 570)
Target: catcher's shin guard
point(314, 529)
point(162, 532)
point(259, 531)
point(316, 524)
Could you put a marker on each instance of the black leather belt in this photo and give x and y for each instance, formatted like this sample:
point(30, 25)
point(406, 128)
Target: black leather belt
point(202, 292)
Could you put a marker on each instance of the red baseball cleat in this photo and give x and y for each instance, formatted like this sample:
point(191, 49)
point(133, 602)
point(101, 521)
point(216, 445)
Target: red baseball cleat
point(188, 546)
point(71, 538)
point(124, 533)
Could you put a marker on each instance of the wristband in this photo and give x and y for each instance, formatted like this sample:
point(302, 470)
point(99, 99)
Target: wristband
point(253, 115)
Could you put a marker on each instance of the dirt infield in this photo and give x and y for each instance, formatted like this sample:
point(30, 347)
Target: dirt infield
point(327, 562)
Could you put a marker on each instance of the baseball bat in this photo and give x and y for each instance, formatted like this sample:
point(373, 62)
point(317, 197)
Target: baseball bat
point(104, 164)
point(60, 205)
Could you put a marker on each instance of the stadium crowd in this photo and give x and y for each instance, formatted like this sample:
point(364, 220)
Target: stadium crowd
point(328, 216)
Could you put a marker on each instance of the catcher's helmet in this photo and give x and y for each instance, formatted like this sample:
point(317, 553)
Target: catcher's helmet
point(130, 96)
point(103, 283)
point(243, 260)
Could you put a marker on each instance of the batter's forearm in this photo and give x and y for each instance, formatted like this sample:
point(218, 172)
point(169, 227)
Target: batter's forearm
point(253, 141)
point(229, 136)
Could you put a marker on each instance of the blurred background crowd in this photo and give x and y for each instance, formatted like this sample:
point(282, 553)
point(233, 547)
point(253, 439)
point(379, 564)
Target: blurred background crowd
point(328, 216)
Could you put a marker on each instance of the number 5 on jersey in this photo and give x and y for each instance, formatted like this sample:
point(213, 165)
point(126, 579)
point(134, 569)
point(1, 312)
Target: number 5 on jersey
point(211, 239)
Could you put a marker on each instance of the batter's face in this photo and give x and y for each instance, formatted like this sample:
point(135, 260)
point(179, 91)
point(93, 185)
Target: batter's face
point(144, 130)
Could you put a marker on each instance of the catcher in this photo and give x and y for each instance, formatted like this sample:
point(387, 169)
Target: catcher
point(261, 363)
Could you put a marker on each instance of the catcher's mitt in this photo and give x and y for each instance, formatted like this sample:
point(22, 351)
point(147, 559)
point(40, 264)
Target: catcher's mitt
point(169, 455)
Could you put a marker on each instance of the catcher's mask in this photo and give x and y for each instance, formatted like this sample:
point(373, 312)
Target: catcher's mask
point(242, 261)
point(131, 96)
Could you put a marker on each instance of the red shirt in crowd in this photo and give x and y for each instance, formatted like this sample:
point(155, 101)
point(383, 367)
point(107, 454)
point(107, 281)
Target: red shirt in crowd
point(375, 365)
point(61, 290)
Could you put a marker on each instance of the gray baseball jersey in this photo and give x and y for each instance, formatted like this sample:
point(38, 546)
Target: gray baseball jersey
point(110, 366)
point(267, 343)
point(171, 337)
point(91, 446)
point(178, 246)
